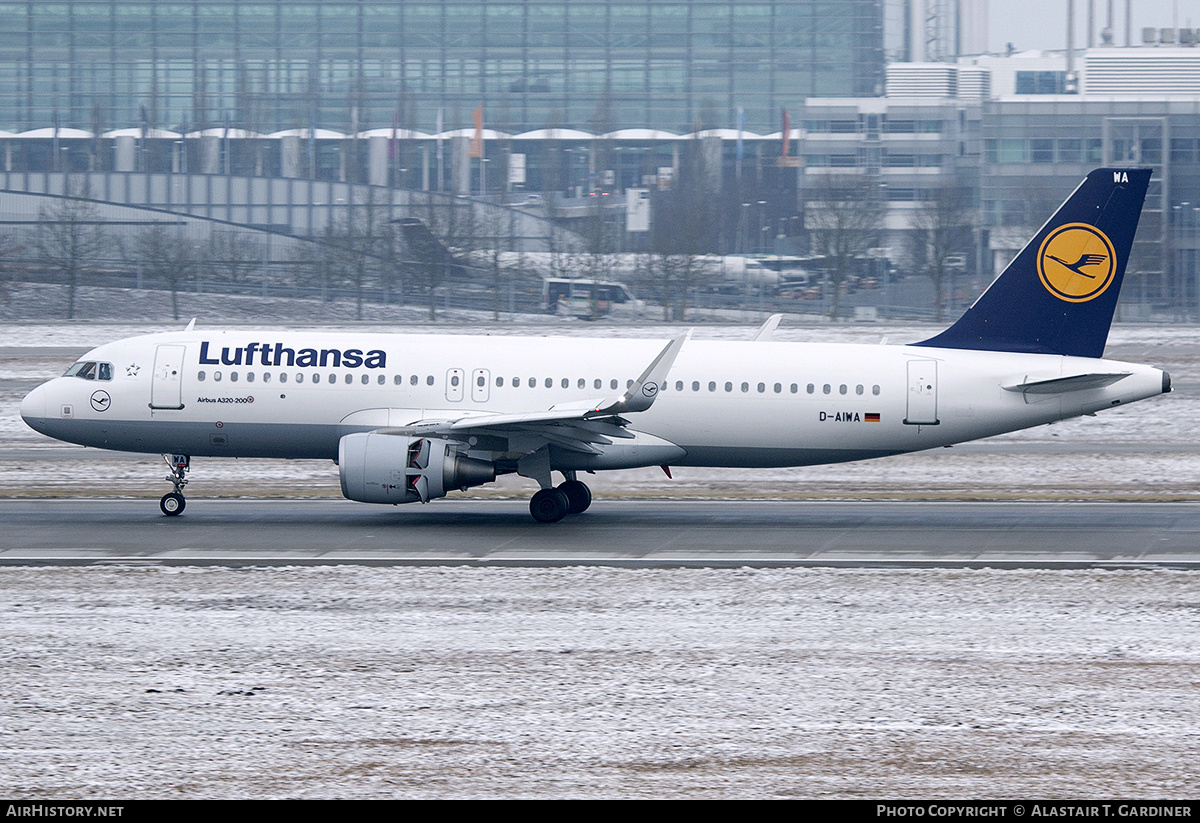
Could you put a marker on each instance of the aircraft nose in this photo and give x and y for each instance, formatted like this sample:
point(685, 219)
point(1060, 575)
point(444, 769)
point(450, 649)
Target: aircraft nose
point(33, 408)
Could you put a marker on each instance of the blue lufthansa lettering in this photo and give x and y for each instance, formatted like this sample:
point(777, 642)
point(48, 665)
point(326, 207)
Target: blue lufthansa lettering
point(277, 354)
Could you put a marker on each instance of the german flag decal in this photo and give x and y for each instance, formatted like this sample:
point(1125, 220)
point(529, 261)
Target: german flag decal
point(871, 417)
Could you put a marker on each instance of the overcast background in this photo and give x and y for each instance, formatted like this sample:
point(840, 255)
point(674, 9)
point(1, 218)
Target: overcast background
point(1043, 25)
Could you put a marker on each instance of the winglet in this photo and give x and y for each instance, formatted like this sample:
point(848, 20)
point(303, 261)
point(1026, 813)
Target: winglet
point(767, 330)
point(641, 394)
point(191, 325)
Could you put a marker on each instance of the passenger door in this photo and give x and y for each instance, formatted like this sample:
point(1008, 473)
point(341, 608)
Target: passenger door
point(922, 393)
point(166, 387)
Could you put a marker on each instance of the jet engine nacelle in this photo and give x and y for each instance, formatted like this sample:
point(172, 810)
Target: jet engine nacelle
point(386, 468)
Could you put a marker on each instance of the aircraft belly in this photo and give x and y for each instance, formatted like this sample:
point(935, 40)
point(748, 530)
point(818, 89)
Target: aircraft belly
point(203, 439)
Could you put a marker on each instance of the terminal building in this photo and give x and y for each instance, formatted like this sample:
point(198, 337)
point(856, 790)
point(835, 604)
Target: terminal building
point(522, 126)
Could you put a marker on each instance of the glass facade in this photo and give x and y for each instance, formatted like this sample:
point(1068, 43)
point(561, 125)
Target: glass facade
point(277, 64)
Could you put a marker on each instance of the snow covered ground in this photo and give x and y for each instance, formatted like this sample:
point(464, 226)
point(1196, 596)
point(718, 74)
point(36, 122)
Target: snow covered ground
point(594, 682)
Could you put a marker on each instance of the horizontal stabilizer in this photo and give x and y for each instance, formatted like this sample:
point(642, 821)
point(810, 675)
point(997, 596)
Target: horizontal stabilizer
point(1060, 385)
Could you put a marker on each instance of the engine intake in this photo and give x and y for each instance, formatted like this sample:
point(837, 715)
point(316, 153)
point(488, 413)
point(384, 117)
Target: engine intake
point(385, 468)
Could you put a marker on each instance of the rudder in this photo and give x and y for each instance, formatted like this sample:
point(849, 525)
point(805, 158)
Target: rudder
point(1059, 294)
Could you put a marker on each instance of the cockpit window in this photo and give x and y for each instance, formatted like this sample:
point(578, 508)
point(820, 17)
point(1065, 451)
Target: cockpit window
point(90, 370)
point(83, 369)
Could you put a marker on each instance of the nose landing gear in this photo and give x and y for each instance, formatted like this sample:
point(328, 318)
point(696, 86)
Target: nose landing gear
point(172, 503)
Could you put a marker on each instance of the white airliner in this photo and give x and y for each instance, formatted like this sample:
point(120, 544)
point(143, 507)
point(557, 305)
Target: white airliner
point(411, 417)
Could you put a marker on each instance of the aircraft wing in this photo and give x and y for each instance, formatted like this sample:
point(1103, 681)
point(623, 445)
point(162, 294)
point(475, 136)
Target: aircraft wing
point(584, 426)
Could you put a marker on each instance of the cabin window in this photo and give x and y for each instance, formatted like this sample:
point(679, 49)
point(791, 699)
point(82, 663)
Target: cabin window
point(566, 383)
point(316, 378)
point(629, 384)
point(366, 378)
point(200, 376)
point(795, 388)
point(613, 384)
point(549, 382)
point(875, 390)
point(454, 380)
point(249, 377)
point(811, 388)
point(826, 388)
point(598, 383)
point(429, 380)
point(299, 377)
point(233, 377)
point(217, 376)
point(842, 389)
point(858, 389)
point(695, 385)
point(678, 385)
point(778, 388)
point(745, 387)
point(381, 380)
point(728, 386)
point(412, 381)
point(283, 377)
point(581, 383)
point(481, 381)
point(266, 377)
point(499, 382)
point(762, 387)
point(712, 385)
point(516, 382)
point(398, 379)
point(533, 382)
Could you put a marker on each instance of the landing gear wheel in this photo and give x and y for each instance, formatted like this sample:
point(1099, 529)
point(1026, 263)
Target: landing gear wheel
point(549, 506)
point(172, 504)
point(579, 496)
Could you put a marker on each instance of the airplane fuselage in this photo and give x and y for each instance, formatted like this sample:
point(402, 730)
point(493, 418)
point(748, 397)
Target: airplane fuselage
point(746, 404)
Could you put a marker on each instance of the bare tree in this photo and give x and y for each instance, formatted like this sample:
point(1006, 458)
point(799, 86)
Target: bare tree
point(683, 230)
point(452, 227)
point(600, 246)
point(360, 242)
point(11, 249)
point(165, 254)
point(844, 217)
point(70, 242)
point(943, 228)
point(233, 255)
point(314, 263)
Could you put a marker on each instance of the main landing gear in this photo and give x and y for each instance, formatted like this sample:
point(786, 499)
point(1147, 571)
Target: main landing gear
point(172, 503)
point(552, 505)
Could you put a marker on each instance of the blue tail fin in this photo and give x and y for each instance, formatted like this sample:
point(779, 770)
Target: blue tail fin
point(1059, 294)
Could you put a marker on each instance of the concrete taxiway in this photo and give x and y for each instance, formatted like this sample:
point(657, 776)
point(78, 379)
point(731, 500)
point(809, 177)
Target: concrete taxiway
point(612, 533)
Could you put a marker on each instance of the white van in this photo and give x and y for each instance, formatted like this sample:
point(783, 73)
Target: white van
point(589, 299)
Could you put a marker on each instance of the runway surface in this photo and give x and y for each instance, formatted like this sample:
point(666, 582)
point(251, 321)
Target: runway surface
point(612, 533)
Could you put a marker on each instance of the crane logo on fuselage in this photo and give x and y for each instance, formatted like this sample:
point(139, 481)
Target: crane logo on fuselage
point(1076, 262)
point(277, 354)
